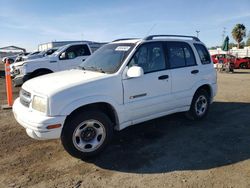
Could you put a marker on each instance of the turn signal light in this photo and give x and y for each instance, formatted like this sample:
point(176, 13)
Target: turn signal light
point(54, 126)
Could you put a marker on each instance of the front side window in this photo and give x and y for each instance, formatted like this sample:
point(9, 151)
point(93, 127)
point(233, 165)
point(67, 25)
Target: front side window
point(203, 53)
point(108, 58)
point(180, 55)
point(150, 57)
point(76, 51)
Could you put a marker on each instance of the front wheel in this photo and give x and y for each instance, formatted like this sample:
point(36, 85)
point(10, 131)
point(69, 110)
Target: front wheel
point(86, 133)
point(200, 105)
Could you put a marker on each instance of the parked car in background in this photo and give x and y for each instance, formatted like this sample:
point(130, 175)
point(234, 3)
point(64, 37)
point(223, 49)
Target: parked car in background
point(237, 62)
point(11, 59)
point(66, 57)
point(20, 56)
point(37, 54)
point(125, 82)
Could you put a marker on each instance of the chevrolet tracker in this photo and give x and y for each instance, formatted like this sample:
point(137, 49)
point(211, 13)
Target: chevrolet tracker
point(125, 82)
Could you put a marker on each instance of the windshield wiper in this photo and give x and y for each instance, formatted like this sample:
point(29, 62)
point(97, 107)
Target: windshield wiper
point(96, 69)
point(80, 67)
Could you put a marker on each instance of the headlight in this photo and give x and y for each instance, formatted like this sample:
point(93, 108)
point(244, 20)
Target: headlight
point(39, 104)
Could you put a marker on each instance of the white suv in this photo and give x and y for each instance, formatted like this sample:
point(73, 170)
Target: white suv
point(66, 57)
point(123, 83)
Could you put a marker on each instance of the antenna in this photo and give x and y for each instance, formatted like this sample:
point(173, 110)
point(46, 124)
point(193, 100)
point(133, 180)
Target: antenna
point(150, 29)
point(197, 33)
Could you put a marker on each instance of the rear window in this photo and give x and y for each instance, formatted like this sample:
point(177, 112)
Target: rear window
point(203, 53)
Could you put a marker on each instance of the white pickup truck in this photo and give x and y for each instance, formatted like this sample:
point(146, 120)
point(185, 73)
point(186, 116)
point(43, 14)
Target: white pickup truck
point(123, 83)
point(67, 57)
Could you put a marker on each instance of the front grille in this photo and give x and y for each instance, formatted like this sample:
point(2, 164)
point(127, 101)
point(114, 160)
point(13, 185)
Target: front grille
point(25, 97)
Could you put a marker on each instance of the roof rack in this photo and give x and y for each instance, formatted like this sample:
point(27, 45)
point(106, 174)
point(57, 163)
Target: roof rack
point(151, 37)
point(124, 39)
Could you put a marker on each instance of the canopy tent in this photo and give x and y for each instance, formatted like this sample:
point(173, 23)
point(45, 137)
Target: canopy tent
point(12, 48)
point(225, 45)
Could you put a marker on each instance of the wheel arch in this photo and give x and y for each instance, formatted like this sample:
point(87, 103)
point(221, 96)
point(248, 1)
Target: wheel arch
point(207, 88)
point(104, 107)
point(41, 70)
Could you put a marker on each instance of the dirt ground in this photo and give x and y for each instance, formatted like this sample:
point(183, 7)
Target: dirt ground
point(166, 152)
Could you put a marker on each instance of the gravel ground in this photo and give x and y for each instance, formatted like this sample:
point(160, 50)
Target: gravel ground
point(166, 152)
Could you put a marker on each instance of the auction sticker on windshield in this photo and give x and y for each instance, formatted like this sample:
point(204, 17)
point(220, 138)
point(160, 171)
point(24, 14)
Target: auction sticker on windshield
point(122, 48)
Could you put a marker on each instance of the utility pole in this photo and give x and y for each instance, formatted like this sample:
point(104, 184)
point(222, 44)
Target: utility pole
point(197, 33)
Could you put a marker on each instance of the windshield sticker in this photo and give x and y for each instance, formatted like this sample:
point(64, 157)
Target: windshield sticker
point(122, 48)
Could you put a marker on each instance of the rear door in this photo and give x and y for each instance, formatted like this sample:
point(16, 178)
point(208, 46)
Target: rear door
point(73, 56)
point(184, 70)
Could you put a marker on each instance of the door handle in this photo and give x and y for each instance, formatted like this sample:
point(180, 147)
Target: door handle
point(194, 71)
point(163, 77)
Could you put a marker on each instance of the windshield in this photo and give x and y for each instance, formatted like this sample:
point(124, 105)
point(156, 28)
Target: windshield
point(49, 52)
point(58, 50)
point(108, 58)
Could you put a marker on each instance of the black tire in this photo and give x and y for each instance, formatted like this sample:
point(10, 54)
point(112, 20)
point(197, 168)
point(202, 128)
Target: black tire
point(243, 65)
point(193, 112)
point(69, 140)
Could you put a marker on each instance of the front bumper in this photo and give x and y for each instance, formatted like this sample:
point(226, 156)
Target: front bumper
point(18, 80)
point(36, 123)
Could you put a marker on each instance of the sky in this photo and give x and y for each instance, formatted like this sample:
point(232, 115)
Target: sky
point(27, 23)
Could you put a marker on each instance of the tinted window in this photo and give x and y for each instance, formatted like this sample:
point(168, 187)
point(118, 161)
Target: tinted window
point(176, 56)
point(75, 51)
point(180, 55)
point(150, 57)
point(189, 56)
point(203, 53)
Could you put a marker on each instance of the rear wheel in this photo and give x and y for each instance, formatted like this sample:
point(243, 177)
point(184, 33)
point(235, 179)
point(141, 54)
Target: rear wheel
point(200, 105)
point(243, 65)
point(86, 133)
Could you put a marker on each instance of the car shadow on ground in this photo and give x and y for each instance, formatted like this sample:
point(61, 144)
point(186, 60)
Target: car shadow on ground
point(246, 71)
point(174, 143)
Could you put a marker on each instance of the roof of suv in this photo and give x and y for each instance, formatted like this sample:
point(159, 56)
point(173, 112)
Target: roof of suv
point(159, 38)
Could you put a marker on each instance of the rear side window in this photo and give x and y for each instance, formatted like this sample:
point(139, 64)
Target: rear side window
point(180, 55)
point(203, 53)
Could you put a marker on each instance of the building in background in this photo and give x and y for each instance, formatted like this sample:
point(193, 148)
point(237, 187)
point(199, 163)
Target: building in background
point(241, 53)
point(11, 51)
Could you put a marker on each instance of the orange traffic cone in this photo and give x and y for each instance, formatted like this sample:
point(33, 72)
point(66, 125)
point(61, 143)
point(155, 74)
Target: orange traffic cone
point(8, 86)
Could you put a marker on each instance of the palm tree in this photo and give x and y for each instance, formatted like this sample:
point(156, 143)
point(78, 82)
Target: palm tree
point(238, 33)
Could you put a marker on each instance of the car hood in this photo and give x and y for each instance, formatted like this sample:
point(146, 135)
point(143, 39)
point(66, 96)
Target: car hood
point(43, 59)
point(55, 82)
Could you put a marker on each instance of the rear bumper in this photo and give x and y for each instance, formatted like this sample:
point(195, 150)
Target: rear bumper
point(36, 123)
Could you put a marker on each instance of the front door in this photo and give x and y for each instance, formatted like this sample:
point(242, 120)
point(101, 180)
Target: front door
point(73, 56)
point(149, 94)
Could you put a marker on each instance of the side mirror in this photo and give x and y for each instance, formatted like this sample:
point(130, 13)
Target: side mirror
point(63, 55)
point(135, 72)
